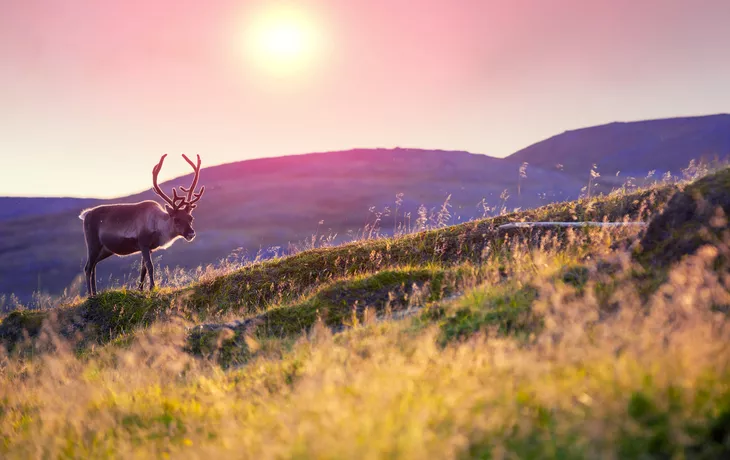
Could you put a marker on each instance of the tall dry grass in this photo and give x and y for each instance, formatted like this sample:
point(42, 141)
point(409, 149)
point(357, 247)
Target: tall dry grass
point(600, 370)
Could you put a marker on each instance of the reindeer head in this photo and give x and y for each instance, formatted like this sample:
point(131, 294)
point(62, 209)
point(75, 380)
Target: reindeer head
point(180, 208)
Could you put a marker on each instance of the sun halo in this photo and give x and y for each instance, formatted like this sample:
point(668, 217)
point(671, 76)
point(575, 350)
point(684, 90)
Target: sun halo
point(282, 40)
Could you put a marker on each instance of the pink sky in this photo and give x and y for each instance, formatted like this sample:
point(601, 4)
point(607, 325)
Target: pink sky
point(92, 93)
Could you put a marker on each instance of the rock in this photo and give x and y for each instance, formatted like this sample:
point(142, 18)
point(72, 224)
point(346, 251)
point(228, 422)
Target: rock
point(693, 218)
point(235, 325)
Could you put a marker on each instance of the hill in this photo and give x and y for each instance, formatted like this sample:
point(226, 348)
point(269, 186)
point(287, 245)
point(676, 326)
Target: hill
point(459, 342)
point(633, 148)
point(264, 203)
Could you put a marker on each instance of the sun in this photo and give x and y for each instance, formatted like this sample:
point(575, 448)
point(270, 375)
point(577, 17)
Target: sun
point(282, 40)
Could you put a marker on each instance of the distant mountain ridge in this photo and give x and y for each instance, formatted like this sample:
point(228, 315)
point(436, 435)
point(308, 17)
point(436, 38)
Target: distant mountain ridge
point(18, 207)
point(633, 148)
point(271, 202)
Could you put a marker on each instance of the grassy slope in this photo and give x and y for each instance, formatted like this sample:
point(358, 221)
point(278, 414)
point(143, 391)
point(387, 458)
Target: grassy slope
point(550, 350)
point(259, 286)
point(292, 194)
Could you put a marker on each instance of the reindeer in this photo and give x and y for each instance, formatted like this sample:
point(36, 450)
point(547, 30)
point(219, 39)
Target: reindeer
point(124, 229)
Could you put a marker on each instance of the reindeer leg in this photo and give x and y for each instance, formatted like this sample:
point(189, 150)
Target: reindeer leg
point(93, 252)
point(143, 273)
point(103, 254)
point(146, 255)
point(89, 272)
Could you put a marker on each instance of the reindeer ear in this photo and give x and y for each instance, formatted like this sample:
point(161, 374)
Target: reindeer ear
point(169, 209)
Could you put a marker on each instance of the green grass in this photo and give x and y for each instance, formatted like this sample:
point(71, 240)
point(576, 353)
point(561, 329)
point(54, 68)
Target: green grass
point(337, 304)
point(506, 308)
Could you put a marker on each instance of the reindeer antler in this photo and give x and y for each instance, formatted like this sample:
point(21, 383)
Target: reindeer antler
point(193, 197)
point(176, 201)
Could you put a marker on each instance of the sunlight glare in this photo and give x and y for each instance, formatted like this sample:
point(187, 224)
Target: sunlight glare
point(282, 40)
